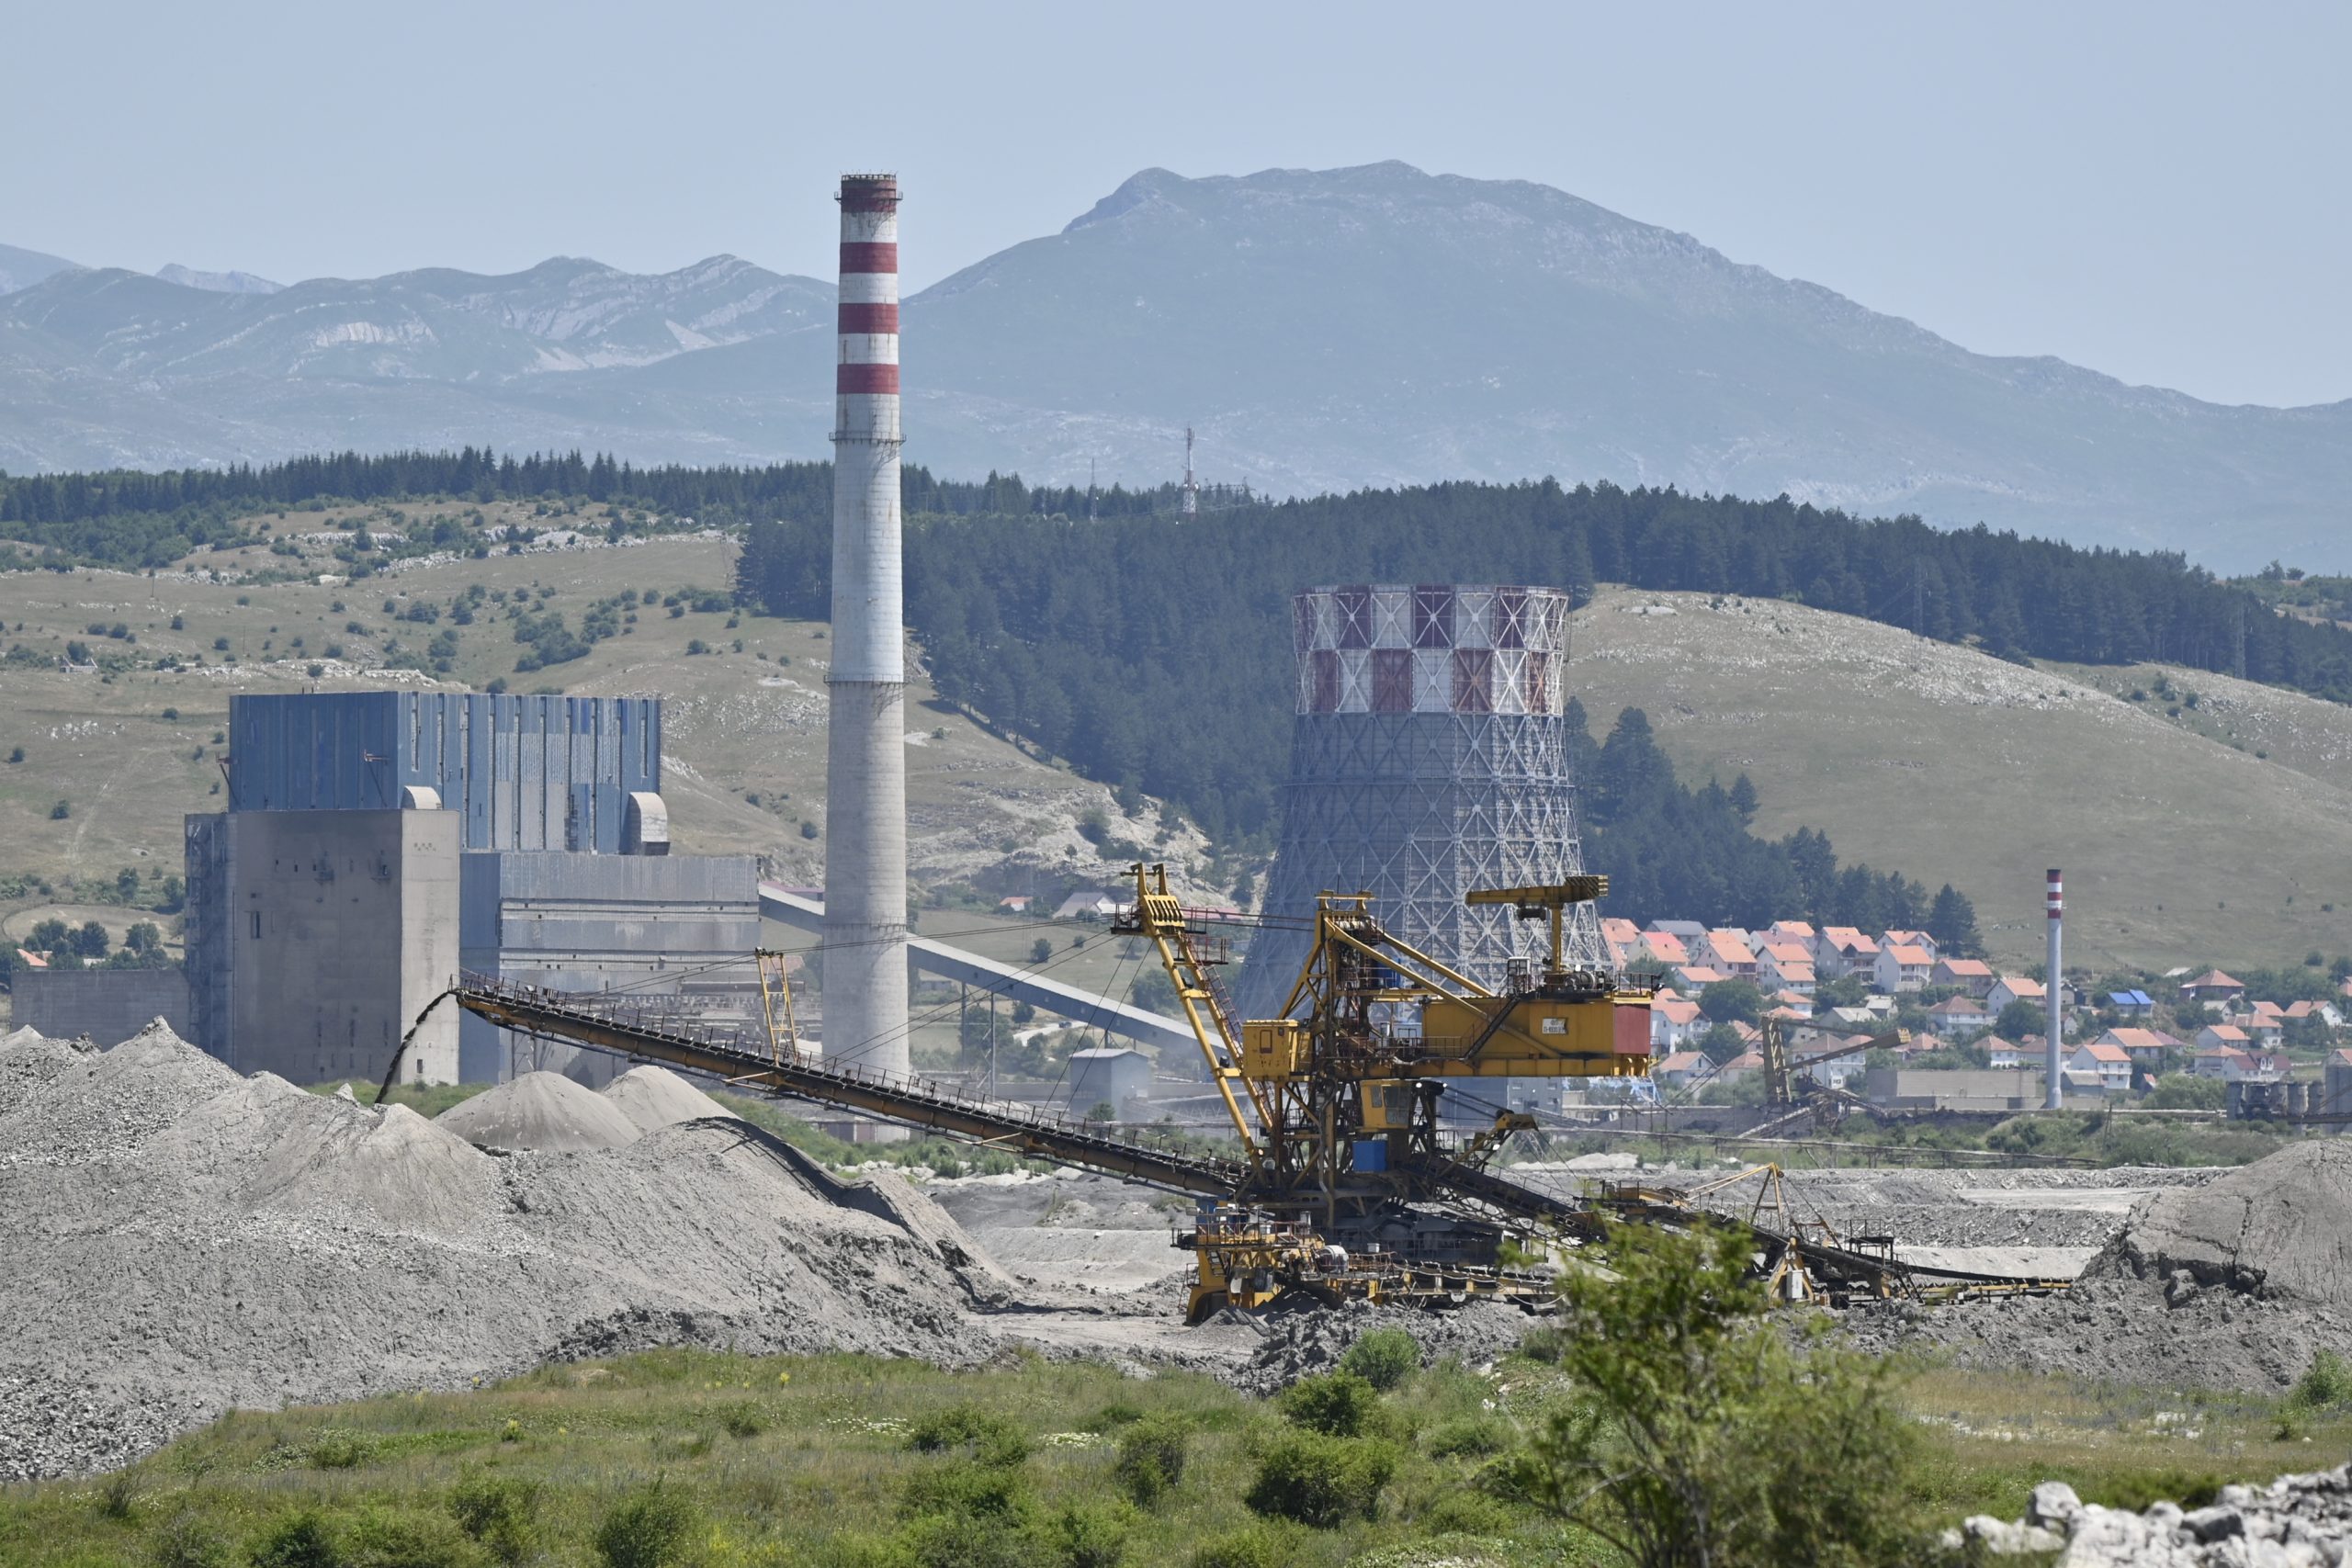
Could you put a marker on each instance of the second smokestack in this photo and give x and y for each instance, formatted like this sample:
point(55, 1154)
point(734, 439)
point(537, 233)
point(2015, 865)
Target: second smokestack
point(865, 931)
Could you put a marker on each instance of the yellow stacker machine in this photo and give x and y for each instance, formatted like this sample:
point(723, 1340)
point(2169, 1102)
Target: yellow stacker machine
point(1336, 1102)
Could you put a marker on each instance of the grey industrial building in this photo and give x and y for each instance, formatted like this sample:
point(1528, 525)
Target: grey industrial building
point(377, 843)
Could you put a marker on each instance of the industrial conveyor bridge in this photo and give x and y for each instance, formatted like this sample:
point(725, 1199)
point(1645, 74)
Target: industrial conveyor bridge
point(613, 1023)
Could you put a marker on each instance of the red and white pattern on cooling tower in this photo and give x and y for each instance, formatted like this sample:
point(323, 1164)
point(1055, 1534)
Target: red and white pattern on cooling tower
point(866, 376)
point(2056, 897)
point(1430, 648)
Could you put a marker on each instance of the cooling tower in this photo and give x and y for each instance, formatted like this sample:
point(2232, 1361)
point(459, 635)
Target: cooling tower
point(865, 932)
point(1428, 758)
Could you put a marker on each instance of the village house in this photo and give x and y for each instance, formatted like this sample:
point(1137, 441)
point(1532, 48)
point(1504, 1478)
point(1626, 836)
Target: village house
point(1919, 939)
point(1664, 949)
point(2000, 1053)
point(2226, 1062)
point(1728, 951)
point(1901, 968)
point(1692, 979)
point(2015, 988)
point(2213, 987)
point(1794, 1001)
point(2110, 1063)
point(2146, 1047)
point(1798, 931)
point(1959, 1018)
point(2223, 1037)
point(2131, 1004)
point(1969, 976)
point(1841, 950)
point(2326, 1012)
point(1739, 1068)
point(1683, 1069)
point(1674, 1020)
point(1785, 966)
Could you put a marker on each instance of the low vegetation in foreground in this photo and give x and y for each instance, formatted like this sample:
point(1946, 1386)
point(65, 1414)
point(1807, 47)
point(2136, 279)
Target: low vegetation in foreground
point(1661, 1416)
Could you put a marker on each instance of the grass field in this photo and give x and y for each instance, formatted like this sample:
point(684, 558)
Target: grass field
point(715, 1459)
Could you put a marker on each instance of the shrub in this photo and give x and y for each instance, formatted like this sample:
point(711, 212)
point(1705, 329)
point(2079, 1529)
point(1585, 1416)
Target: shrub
point(1263, 1545)
point(501, 1512)
point(2326, 1383)
point(1320, 1480)
point(1384, 1357)
point(744, 1420)
point(1151, 1458)
point(1337, 1405)
point(647, 1528)
point(960, 1488)
point(118, 1496)
point(1470, 1437)
point(303, 1539)
point(61, 811)
point(1087, 1535)
point(388, 1538)
point(187, 1542)
point(340, 1451)
point(989, 1438)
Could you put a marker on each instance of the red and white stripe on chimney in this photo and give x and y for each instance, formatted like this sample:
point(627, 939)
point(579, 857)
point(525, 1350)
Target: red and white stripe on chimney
point(865, 383)
point(2056, 897)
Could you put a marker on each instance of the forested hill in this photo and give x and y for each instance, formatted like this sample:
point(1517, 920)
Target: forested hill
point(1158, 654)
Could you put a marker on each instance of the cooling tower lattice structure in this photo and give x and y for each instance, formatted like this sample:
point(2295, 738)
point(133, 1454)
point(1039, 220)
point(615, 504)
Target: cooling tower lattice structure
point(1428, 757)
point(865, 932)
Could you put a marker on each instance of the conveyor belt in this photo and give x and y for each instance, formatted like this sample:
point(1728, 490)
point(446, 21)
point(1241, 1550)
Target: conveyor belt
point(911, 1100)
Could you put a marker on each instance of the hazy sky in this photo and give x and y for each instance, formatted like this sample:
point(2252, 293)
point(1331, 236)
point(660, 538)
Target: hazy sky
point(2153, 190)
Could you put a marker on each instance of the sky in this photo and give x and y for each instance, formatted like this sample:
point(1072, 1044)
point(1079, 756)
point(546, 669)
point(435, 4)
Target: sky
point(2153, 190)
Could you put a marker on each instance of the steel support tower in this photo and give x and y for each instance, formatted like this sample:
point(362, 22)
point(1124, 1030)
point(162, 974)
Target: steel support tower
point(1428, 757)
point(866, 754)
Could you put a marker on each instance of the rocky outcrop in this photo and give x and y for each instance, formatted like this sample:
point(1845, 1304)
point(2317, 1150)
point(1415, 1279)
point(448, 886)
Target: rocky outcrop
point(2298, 1521)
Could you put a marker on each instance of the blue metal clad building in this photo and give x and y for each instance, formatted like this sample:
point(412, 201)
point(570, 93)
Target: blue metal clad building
point(540, 772)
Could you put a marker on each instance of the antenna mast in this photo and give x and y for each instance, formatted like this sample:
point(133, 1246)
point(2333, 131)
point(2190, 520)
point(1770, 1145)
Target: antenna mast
point(1191, 490)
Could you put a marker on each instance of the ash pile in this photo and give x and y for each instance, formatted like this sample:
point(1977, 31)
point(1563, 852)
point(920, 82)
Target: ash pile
point(182, 1240)
point(2230, 1285)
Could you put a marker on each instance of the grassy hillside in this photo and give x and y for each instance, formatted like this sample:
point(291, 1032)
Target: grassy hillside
point(131, 752)
point(2177, 847)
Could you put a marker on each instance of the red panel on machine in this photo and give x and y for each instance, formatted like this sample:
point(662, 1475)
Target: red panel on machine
point(1633, 1029)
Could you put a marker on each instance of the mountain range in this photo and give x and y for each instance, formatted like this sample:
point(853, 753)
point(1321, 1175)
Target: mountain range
point(1320, 329)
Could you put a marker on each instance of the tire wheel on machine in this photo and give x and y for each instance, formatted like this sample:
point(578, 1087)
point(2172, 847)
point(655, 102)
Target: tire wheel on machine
point(1211, 1305)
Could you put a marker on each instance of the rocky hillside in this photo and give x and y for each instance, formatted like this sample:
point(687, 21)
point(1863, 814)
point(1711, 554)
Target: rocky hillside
point(1323, 329)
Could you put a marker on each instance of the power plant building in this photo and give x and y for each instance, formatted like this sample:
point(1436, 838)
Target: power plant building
point(377, 843)
point(1428, 757)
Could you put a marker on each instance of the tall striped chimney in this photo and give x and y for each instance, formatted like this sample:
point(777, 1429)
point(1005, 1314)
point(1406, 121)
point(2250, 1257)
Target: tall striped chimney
point(2054, 989)
point(865, 759)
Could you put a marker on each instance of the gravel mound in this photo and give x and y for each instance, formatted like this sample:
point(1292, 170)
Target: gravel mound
point(2279, 1229)
point(2230, 1283)
point(1309, 1340)
point(652, 1096)
point(181, 1240)
point(540, 1110)
point(2295, 1521)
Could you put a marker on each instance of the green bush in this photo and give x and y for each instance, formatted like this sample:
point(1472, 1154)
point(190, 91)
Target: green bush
point(1469, 1436)
point(946, 1540)
point(501, 1512)
point(341, 1450)
point(989, 1438)
point(1322, 1481)
point(963, 1488)
point(2325, 1384)
point(1337, 1405)
point(1463, 1511)
point(303, 1539)
point(1546, 1342)
point(1086, 1535)
point(647, 1528)
point(1384, 1357)
point(1264, 1545)
point(1151, 1458)
point(390, 1538)
point(189, 1541)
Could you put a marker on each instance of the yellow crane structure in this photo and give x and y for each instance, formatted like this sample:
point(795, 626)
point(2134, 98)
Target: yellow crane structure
point(1336, 1102)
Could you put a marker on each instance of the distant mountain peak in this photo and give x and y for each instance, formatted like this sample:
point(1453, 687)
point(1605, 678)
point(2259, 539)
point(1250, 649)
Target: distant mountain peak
point(218, 282)
point(22, 269)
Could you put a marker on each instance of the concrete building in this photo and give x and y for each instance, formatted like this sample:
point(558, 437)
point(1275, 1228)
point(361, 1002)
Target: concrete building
point(315, 938)
point(1966, 1088)
point(865, 687)
point(107, 1005)
point(1108, 1076)
point(541, 772)
point(676, 931)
